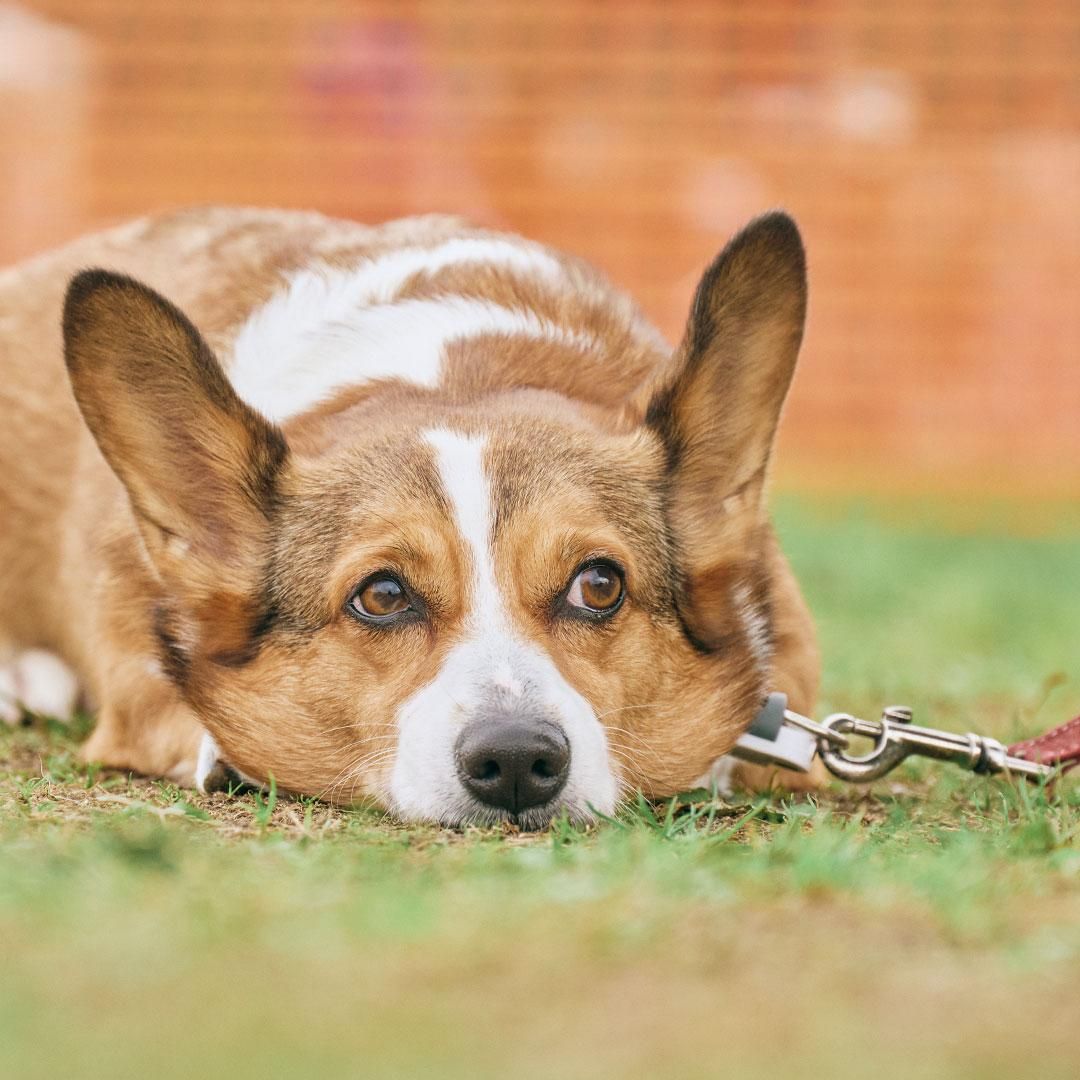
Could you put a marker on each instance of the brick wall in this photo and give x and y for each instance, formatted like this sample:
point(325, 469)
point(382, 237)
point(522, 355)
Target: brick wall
point(930, 150)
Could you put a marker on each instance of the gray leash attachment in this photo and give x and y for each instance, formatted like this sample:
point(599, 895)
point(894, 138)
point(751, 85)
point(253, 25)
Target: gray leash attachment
point(780, 736)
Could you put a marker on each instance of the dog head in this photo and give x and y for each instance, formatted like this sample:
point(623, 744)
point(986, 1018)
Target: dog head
point(496, 607)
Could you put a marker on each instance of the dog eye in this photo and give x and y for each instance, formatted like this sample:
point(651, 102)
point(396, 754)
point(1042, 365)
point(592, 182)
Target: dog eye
point(598, 588)
point(379, 599)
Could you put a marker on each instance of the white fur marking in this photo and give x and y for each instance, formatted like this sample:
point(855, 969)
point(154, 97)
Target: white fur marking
point(38, 682)
point(380, 280)
point(10, 709)
point(332, 329)
point(208, 758)
point(492, 655)
point(464, 479)
point(755, 625)
point(720, 777)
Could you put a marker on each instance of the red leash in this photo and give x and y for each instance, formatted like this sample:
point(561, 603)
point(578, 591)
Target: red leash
point(1059, 746)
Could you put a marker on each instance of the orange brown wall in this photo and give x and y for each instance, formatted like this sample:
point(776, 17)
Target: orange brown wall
point(930, 150)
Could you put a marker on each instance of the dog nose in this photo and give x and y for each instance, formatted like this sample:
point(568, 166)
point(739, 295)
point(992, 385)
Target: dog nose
point(513, 764)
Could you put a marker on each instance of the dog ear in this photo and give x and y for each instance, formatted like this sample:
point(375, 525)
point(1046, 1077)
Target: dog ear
point(718, 408)
point(199, 465)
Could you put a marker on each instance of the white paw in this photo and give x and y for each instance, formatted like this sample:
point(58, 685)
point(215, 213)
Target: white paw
point(721, 776)
point(213, 774)
point(208, 759)
point(37, 682)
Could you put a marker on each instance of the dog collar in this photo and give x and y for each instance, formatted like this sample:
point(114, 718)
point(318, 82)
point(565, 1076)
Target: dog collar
point(777, 738)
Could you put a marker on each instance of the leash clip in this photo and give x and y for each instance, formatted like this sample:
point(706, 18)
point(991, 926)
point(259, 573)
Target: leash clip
point(896, 738)
point(779, 736)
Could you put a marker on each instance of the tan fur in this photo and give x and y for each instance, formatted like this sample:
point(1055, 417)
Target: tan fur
point(631, 453)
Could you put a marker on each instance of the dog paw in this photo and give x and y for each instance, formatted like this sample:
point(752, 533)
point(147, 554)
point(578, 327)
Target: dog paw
point(721, 777)
point(37, 683)
point(213, 774)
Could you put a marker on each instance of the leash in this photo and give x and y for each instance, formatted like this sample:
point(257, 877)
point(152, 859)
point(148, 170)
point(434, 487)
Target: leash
point(780, 736)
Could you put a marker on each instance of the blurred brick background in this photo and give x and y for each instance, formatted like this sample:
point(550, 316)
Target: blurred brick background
point(930, 150)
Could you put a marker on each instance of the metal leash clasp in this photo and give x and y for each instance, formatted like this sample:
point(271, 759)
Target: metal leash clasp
point(896, 738)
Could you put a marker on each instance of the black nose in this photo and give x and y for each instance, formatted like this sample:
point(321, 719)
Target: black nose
point(513, 764)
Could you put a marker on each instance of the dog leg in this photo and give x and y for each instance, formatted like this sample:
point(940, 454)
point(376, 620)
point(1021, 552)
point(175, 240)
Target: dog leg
point(143, 725)
point(748, 776)
point(163, 744)
point(730, 775)
point(37, 683)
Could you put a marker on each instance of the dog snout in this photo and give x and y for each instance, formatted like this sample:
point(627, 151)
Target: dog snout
point(513, 764)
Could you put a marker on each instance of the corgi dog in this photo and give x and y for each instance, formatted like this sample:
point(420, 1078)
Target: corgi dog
point(418, 515)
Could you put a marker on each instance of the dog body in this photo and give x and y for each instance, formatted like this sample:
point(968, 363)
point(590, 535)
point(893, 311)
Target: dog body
point(419, 514)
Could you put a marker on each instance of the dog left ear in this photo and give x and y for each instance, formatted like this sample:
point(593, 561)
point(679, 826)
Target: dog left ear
point(201, 468)
point(718, 409)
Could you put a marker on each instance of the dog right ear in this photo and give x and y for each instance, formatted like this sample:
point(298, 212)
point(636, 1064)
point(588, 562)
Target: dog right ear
point(199, 465)
point(718, 408)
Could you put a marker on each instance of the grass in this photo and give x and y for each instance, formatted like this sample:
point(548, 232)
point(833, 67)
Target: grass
point(926, 927)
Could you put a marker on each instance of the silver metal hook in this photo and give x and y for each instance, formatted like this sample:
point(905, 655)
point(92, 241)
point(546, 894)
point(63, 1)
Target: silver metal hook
point(896, 738)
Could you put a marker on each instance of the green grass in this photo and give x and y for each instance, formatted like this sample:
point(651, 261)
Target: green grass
point(939, 616)
point(927, 927)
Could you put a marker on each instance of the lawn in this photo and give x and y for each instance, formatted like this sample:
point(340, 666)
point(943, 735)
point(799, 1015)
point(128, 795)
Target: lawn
point(928, 926)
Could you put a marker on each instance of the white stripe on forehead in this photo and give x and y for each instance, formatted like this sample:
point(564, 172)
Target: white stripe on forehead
point(381, 279)
point(460, 461)
point(329, 329)
point(286, 373)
